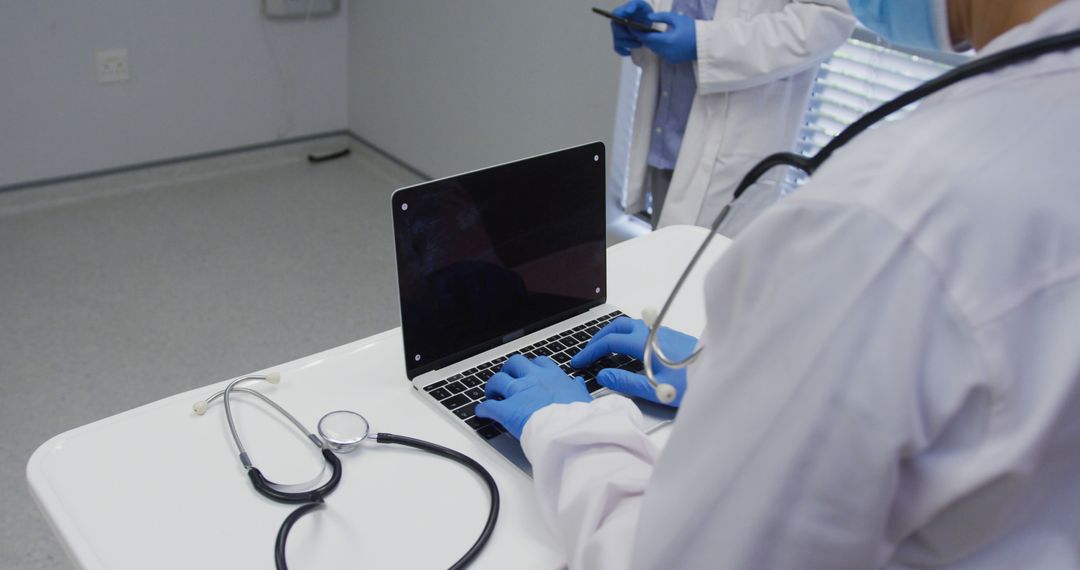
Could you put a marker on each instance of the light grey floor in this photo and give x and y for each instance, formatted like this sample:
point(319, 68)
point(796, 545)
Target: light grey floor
point(119, 291)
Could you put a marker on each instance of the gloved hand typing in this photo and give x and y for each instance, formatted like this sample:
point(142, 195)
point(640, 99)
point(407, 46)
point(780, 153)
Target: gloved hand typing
point(676, 44)
point(625, 38)
point(524, 386)
point(627, 336)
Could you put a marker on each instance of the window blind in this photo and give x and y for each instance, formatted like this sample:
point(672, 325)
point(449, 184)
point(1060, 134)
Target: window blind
point(858, 78)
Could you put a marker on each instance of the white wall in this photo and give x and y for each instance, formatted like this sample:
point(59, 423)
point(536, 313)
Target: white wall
point(203, 78)
point(453, 86)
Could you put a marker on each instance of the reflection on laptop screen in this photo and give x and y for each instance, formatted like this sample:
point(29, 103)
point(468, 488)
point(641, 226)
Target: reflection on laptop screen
point(487, 256)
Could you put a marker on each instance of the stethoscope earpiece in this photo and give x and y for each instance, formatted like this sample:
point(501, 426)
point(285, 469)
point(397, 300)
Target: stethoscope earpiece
point(666, 393)
point(648, 315)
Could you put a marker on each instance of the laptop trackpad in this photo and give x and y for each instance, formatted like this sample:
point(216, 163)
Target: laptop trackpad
point(655, 415)
point(510, 448)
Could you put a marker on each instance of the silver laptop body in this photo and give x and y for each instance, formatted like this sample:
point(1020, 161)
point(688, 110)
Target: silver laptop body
point(504, 260)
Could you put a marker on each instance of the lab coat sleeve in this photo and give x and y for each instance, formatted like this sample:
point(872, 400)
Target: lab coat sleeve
point(740, 53)
point(591, 464)
point(830, 364)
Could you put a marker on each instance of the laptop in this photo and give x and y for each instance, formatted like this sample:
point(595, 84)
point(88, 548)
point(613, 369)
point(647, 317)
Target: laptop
point(504, 260)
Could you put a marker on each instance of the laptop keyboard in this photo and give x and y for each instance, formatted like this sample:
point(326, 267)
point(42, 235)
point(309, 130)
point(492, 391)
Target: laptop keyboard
point(462, 392)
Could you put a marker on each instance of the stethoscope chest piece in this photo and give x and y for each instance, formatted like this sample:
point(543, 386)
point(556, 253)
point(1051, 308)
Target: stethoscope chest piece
point(343, 431)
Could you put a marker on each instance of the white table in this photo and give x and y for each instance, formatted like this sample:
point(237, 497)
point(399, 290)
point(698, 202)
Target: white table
point(159, 487)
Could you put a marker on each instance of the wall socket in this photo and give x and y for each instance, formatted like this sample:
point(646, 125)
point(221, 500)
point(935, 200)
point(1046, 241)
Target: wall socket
point(112, 65)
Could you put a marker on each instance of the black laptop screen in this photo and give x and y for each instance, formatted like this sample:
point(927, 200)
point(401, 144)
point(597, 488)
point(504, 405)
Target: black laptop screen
point(490, 255)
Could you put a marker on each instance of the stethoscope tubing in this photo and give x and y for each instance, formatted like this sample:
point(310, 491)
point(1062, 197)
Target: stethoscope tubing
point(489, 481)
point(271, 490)
point(286, 526)
point(264, 398)
point(388, 438)
point(262, 485)
point(315, 498)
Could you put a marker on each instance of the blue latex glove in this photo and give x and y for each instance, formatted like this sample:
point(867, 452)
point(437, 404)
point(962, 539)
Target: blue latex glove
point(676, 44)
point(524, 386)
point(625, 38)
point(627, 336)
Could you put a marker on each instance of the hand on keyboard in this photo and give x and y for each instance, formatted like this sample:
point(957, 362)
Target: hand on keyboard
point(524, 386)
point(627, 336)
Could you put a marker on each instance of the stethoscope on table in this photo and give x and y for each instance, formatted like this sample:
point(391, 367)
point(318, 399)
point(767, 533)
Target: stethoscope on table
point(666, 392)
point(340, 431)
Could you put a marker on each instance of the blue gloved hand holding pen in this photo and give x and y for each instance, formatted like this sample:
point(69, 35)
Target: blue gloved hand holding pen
point(625, 38)
point(676, 44)
point(627, 336)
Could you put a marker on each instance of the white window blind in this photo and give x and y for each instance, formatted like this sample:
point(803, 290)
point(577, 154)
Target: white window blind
point(858, 78)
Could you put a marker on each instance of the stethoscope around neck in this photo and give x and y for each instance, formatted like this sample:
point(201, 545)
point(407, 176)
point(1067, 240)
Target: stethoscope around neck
point(809, 164)
point(340, 431)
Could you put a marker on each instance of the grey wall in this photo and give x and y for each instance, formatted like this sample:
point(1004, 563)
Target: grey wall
point(206, 75)
point(454, 86)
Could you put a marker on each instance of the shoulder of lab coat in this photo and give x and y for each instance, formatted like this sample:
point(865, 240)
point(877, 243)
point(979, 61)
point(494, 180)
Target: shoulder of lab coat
point(873, 389)
point(737, 53)
point(807, 402)
point(591, 464)
point(897, 383)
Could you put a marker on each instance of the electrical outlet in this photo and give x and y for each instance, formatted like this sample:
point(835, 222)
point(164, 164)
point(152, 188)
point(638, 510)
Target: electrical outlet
point(112, 66)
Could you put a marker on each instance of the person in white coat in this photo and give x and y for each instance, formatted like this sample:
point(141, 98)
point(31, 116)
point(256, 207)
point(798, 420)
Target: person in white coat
point(734, 92)
point(891, 372)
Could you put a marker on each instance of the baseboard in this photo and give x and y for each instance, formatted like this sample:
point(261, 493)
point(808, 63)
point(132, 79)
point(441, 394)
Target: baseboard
point(389, 156)
point(213, 154)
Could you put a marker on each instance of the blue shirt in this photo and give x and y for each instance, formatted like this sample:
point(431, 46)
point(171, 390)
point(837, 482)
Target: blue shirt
point(676, 96)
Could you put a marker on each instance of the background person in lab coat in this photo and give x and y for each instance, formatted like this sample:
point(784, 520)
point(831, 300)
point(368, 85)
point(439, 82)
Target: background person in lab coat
point(891, 373)
point(724, 86)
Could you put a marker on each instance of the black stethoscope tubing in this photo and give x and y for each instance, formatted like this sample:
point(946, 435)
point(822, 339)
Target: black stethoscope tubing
point(316, 500)
point(267, 488)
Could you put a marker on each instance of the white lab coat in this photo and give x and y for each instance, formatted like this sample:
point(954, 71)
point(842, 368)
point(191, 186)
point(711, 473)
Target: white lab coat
point(891, 376)
point(756, 64)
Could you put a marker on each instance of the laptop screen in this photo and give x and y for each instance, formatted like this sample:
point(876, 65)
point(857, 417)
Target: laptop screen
point(494, 254)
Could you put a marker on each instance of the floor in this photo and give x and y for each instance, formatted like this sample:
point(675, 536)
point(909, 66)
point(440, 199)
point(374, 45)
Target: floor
point(121, 290)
